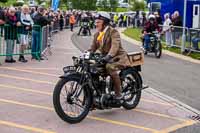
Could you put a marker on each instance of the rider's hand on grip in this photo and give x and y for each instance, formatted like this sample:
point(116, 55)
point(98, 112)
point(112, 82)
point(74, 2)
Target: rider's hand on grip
point(106, 59)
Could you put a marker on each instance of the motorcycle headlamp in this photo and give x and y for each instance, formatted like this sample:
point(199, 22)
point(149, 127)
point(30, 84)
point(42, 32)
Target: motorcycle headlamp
point(75, 61)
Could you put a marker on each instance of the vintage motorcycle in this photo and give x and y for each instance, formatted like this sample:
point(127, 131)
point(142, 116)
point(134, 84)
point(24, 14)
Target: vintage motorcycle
point(86, 86)
point(85, 29)
point(155, 44)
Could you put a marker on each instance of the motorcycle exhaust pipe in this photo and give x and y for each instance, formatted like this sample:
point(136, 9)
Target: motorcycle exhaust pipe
point(143, 88)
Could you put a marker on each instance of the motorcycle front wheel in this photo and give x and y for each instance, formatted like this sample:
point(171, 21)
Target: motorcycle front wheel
point(158, 49)
point(71, 99)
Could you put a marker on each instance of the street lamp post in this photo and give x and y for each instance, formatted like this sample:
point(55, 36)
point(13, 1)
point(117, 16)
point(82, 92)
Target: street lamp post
point(184, 27)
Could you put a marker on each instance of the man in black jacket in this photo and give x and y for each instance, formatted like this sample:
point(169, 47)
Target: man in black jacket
point(2, 17)
point(177, 30)
point(2, 21)
point(40, 20)
point(10, 33)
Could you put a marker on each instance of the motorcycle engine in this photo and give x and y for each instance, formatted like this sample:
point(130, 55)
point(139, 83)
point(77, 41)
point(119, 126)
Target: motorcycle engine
point(101, 101)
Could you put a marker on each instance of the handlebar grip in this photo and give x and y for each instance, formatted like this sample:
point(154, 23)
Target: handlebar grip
point(92, 61)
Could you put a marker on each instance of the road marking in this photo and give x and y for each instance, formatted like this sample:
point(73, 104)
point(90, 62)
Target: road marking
point(186, 122)
point(90, 117)
point(160, 115)
point(26, 79)
point(122, 124)
point(32, 68)
point(11, 124)
point(27, 90)
point(150, 101)
point(46, 74)
point(50, 94)
point(72, 53)
point(28, 71)
point(26, 104)
point(63, 48)
point(178, 126)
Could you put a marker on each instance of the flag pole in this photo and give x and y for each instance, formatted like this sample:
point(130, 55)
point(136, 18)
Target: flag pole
point(184, 27)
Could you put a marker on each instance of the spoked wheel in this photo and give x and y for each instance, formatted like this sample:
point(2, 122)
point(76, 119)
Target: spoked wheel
point(158, 50)
point(132, 89)
point(71, 99)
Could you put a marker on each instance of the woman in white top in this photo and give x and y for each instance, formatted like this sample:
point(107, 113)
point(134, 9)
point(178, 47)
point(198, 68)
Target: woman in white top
point(27, 23)
point(167, 30)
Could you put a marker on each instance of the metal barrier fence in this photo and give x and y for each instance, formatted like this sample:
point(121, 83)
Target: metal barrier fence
point(194, 39)
point(173, 37)
point(46, 41)
point(55, 26)
point(21, 41)
point(14, 38)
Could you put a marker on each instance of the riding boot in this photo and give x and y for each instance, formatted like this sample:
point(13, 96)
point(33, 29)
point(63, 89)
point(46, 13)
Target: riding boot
point(117, 85)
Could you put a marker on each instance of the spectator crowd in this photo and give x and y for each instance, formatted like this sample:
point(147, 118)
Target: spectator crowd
point(16, 24)
point(171, 25)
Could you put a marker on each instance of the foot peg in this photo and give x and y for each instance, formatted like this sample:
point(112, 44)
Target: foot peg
point(145, 87)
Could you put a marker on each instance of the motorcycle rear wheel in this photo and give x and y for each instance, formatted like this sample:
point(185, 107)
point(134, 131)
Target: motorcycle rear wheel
point(136, 84)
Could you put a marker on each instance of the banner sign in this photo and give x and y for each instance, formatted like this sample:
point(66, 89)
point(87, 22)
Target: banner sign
point(55, 4)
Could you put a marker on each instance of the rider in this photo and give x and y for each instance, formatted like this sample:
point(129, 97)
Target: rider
point(150, 26)
point(107, 41)
point(85, 19)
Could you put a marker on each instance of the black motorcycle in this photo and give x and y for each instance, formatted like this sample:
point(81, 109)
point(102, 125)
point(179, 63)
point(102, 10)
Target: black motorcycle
point(155, 45)
point(85, 29)
point(86, 86)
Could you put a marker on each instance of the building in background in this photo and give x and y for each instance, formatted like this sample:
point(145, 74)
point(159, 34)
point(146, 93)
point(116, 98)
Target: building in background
point(169, 6)
point(124, 4)
point(32, 3)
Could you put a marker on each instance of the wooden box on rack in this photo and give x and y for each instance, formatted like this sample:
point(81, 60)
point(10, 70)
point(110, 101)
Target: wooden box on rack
point(136, 58)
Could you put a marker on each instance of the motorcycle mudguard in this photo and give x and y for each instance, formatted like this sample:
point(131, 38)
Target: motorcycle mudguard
point(136, 69)
point(66, 75)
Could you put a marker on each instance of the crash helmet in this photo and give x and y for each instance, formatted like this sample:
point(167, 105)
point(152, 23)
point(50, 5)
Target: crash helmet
point(103, 16)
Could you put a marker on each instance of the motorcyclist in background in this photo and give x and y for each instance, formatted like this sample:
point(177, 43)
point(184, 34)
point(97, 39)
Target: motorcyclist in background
point(150, 26)
point(108, 42)
point(85, 19)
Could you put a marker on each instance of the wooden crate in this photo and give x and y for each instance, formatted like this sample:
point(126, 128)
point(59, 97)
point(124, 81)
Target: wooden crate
point(136, 58)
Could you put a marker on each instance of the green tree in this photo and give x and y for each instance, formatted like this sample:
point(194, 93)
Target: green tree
point(89, 4)
point(63, 3)
point(137, 5)
point(113, 4)
point(39, 1)
point(103, 4)
point(81, 4)
point(3, 1)
point(108, 5)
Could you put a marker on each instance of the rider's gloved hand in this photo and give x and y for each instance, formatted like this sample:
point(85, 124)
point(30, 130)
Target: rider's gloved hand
point(106, 59)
